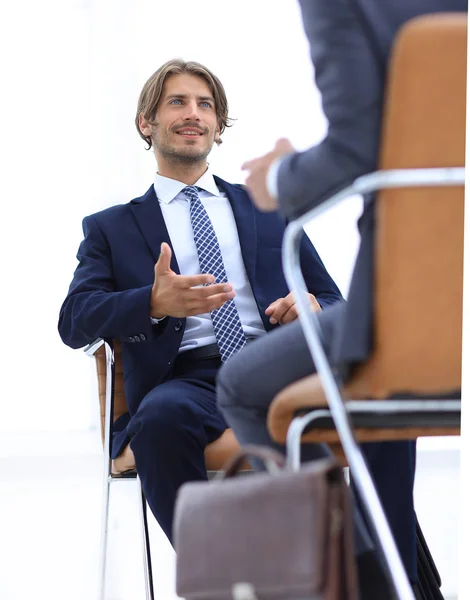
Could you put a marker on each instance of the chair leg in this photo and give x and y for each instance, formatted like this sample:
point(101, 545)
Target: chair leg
point(149, 592)
point(366, 488)
point(294, 443)
point(104, 535)
point(294, 436)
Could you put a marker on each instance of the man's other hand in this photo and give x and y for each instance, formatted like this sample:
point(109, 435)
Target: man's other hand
point(180, 295)
point(257, 173)
point(284, 310)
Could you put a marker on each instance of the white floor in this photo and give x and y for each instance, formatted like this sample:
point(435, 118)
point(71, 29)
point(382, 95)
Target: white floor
point(50, 513)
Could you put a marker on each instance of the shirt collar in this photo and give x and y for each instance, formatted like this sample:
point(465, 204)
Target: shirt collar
point(167, 189)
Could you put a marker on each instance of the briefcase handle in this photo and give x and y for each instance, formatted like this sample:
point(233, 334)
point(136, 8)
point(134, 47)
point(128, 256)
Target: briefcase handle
point(273, 461)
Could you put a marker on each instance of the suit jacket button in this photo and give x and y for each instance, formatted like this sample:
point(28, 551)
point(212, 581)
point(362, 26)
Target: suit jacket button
point(143, 337)
point(178, 325)
point(131, 339)
point(136, 338)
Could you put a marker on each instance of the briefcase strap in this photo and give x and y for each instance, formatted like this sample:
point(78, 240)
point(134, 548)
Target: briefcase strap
point(274, 461)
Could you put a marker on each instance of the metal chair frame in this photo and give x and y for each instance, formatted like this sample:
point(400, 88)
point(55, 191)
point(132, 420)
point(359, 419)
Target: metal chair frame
point(109, 478)
point(339, 410)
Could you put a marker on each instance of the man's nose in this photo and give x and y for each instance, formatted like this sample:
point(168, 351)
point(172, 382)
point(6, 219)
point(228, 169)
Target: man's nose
point(192, 111)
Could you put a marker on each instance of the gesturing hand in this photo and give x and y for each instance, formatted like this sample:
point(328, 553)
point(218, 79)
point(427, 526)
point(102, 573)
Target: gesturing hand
point(179, 295)
point(284, 310)
point(257, 172)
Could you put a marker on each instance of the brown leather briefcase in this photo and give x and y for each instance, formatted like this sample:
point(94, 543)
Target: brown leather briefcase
point(268, 536)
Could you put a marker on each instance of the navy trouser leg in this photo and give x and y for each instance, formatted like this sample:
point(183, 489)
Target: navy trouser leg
point(169, 432)
point(392, 465)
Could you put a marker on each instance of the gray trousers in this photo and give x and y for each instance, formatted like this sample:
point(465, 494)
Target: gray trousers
point(248, 382)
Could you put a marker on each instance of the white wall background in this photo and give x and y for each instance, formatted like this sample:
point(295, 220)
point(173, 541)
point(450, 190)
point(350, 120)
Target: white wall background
point(73, 72)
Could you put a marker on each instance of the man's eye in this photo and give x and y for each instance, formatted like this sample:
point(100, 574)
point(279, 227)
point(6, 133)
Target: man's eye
point(206, 104)
point(176, 100)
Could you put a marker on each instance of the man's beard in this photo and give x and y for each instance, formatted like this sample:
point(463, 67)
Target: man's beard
point(178, 155)
point(172, 155)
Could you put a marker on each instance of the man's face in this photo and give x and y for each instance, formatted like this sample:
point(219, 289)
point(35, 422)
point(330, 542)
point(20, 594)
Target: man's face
point(185, 122)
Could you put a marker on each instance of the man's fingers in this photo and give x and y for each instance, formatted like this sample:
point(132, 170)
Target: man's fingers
point(191, 281)
point(248, 165)
point(314, 303)
point(209, 304)
point(290, 298)
point(255, 163)
point(281, 309)
point(289, 316)
point(283, 146)
point(271, 308)
point(162, 266)
point(210, 290)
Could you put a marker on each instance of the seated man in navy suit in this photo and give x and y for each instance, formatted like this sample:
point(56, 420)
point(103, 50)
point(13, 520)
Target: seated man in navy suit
point(184, 277)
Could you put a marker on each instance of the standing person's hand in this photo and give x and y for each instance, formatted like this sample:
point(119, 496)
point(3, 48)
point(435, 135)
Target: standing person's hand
point(181, 296)
point(284, 310)
point(257, 172)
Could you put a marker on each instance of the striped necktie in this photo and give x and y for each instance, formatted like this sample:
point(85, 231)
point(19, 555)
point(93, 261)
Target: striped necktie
point(226, 320)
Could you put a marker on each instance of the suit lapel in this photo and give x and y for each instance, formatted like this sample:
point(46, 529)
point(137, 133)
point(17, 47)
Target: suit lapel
point(245, 220)
point(149, 218)
point(148, 215)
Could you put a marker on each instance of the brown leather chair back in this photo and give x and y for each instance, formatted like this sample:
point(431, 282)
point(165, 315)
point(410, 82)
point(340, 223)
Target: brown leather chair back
point(120, 404)
point(419, 234)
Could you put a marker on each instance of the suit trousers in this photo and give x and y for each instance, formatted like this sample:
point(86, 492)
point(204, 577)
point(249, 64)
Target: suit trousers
point(247, 384)
point(169, 432)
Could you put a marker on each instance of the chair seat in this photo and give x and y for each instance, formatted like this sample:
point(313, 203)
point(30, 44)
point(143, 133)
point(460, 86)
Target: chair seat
point(307, 394)
point(217, 454)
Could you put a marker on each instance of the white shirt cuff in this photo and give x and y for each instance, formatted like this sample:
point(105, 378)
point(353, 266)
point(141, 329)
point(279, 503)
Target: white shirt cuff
point(271, 178)
point(156, 321)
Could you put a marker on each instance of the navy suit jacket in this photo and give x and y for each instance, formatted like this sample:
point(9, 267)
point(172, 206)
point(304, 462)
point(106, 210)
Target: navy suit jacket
point(109, 296)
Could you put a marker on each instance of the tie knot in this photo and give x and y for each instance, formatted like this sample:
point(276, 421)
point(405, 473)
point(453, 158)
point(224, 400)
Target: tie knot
point(191, 191)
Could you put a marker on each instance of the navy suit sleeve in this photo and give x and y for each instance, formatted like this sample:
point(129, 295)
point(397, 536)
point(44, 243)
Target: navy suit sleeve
point(318, 281)
point(93, 308)
point(350, 77)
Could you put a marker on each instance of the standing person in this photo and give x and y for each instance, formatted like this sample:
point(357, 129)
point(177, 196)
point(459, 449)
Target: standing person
point(350, 43)
point(183, 277)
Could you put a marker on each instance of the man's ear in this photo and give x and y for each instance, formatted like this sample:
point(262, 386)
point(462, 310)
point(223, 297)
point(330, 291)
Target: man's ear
point(217, 139)
point(144, 126)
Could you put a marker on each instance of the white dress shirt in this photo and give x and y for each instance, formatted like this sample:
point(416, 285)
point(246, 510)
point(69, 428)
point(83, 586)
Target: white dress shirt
point(175, 208)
